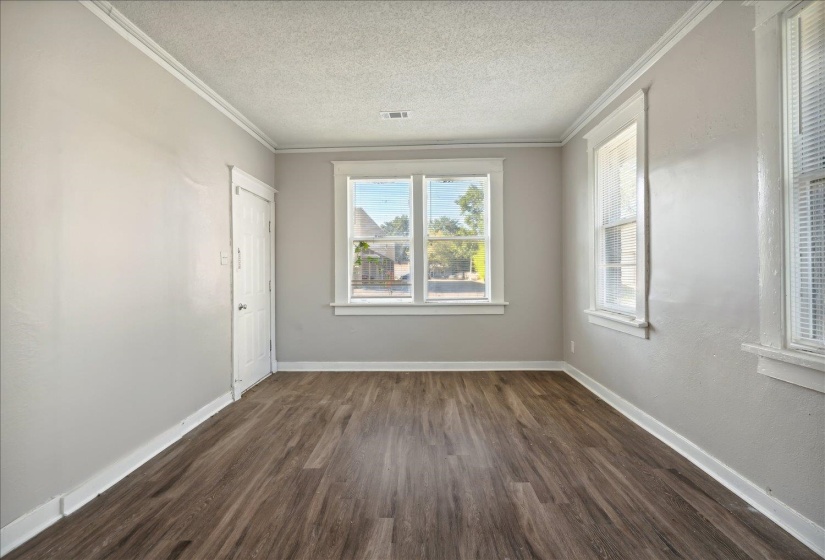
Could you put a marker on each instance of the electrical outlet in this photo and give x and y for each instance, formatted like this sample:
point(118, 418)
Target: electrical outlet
point(572, 347)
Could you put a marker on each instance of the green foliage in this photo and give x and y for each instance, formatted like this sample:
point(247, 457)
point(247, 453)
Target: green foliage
point(451, 257)
point(480, 262)
point(458, 257)
point(445, 226)
point(400, 225)
point(472, 209)
point(361, 250)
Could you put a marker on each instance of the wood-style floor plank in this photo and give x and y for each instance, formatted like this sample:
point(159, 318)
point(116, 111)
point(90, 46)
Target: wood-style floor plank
point(398, 466)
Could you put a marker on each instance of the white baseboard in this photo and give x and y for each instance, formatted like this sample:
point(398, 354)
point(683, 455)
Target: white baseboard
point(111, 475)
point(421, 366)
point(26, 526)
point(806, 531)
point(205, 413)
point(23, 528)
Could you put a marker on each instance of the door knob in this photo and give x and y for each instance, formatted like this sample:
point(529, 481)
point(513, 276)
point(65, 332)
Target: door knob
point(241, 306)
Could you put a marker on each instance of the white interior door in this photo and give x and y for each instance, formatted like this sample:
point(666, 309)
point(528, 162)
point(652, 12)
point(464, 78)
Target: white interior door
point(253, 289)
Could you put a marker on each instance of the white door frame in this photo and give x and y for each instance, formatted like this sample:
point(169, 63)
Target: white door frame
point(243, 180)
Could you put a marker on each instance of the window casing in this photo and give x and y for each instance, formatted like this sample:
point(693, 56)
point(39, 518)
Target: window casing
point(787, 348)
point(417, 237)
point(618, 212)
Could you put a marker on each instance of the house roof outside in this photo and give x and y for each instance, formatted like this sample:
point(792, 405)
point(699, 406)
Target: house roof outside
point(365, 226)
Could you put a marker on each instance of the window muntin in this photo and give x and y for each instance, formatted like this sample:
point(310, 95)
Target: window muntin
point(805, 184)
point(457, 238)
point(616, 222)
point(380, 241)
point(487, 249)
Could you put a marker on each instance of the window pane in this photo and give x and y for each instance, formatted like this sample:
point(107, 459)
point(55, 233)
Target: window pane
point(381, 269)
point(618, 288)
point(456, 269)
point(456, 206)
point(806, 86)
point(617, 194)
point(808, 266)
point(381, 208)
point(617, 177)
point(619, 245)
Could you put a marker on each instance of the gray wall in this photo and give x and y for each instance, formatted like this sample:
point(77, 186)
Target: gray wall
point(115, 207)
point(530, 328)
point(692, 375)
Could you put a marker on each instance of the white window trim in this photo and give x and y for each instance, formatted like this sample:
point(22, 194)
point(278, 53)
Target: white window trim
point(418, 169)
point(634, 110)
point(775, 358)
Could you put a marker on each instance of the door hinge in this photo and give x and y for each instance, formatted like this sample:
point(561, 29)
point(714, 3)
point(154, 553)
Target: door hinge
point(270, 226)
point(270, 285)
point(270, 346)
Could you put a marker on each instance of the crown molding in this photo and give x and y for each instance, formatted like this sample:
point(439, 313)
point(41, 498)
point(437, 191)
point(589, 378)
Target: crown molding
point(129, 31)
point(550, 144)
point(699, 11)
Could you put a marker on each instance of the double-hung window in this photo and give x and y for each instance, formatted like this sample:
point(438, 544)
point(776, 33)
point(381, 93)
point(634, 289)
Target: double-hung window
point(456, 238)
point(616, 149)
point(805, 182)
point(380, 240)
point(419, 237)
point(790, 46)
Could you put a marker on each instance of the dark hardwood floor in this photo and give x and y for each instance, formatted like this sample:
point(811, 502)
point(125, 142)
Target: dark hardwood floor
point(416, 466)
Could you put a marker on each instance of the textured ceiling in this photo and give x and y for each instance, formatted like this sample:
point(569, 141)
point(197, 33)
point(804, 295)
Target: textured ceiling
point(313, 74)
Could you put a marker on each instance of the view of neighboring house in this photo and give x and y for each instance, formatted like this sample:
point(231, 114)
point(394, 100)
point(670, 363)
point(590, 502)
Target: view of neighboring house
point(381, 269)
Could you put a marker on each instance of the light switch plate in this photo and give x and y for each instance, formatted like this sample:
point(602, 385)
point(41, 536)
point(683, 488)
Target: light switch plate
point(224, 258)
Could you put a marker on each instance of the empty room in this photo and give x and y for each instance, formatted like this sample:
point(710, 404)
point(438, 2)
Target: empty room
point(412, 280)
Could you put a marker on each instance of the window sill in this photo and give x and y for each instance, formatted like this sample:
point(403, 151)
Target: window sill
point(617, 322)
point(792, 366)
point(452, 308)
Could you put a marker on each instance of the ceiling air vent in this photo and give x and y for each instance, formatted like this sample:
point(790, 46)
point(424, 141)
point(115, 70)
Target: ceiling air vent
point(395, 114)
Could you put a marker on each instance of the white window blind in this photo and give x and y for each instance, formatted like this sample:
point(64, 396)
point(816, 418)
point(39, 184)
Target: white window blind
point(380, 239)
point(616, 223)
point(806, 196)
point(457, 238)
